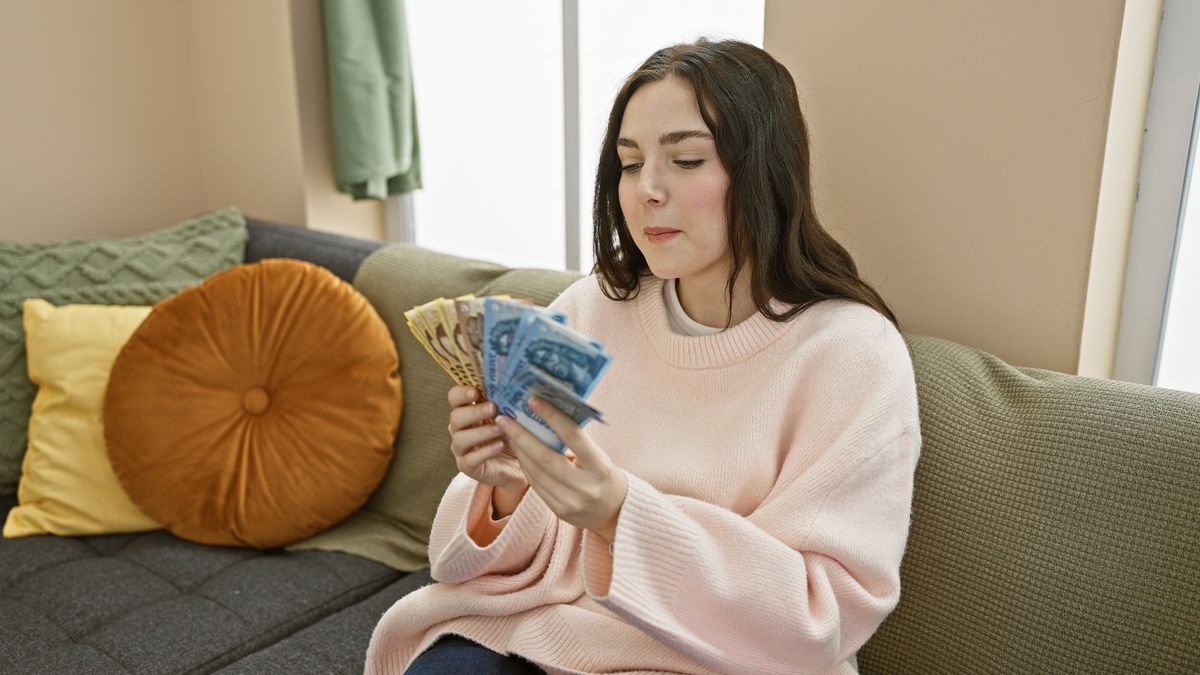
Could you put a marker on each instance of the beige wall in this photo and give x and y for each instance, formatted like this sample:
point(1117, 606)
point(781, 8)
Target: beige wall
point(124, 116)
point(97, 130)
point(248, 126)
point(958, 151)
point(959, 148)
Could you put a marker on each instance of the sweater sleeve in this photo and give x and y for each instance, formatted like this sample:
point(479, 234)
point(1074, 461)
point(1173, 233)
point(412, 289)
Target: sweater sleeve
point(465, 542)
point(800, 583)
point(466, 507)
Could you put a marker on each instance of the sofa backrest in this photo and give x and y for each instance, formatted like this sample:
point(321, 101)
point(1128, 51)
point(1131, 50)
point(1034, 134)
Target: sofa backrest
point(338, 253)
point(1054, 524)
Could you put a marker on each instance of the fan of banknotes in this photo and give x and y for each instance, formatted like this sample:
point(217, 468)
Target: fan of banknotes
point(512, 350)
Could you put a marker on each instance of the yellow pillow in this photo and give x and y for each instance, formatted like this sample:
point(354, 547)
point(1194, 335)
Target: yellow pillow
point(67, 484)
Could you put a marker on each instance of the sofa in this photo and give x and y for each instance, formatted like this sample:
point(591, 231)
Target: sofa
point(1054, 525)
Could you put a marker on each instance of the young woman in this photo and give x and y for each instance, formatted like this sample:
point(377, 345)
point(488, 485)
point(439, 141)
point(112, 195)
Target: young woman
point(746, 506)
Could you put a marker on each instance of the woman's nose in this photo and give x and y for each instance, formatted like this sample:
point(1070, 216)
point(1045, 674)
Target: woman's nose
point(650, 186)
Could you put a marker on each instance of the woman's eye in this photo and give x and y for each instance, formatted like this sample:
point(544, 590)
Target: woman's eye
point(685, 163)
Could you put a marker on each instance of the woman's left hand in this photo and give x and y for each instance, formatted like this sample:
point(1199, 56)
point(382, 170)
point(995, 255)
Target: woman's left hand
point(586, 490)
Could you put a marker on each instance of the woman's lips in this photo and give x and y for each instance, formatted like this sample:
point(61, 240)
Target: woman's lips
point(660, 235)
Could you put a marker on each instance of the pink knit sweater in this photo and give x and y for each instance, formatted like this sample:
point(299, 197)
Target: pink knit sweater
point(770, 484)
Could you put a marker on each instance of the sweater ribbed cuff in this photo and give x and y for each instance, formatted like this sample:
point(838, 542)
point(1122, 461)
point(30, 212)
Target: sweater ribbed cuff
point(652, 540)
point(520, 534)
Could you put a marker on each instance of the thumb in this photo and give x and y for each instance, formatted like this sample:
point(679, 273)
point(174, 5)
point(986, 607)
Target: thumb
point(585, 452)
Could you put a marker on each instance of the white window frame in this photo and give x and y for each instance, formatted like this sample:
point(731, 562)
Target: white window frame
point(1167, 152)
point(570, 33)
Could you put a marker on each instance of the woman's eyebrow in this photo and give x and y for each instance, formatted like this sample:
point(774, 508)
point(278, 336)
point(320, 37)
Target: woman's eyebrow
point(669, 138)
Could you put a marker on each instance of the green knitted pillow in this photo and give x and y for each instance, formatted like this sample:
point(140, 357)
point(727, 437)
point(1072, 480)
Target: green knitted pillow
point(138, 270)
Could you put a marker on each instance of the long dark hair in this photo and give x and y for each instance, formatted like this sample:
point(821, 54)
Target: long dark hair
point(749, 102)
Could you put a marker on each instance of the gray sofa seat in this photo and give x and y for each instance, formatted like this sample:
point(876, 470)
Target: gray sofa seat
point(327, 646)
point(152, 603)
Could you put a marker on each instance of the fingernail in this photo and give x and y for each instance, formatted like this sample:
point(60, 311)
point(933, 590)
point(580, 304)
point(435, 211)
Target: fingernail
point(535, 404)
point(502, 422)
point(472, 395)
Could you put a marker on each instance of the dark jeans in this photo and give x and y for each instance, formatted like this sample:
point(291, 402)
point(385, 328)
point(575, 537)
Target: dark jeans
point(456, 654)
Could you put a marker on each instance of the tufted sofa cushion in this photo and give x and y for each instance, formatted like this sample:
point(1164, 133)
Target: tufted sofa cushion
point(153, 603)
point(335, 644)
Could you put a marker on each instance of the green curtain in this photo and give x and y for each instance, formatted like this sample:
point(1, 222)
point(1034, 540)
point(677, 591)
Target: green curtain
point(376, 150)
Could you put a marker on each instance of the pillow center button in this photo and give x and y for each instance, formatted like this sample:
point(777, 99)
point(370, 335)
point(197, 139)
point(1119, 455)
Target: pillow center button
point(256, 400)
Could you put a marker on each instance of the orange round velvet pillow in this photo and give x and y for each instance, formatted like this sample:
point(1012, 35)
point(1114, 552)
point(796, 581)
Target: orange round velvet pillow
point(256, 408)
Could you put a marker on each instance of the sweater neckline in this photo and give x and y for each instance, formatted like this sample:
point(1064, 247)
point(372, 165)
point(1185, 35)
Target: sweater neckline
point(703, 351)
point(680, 322)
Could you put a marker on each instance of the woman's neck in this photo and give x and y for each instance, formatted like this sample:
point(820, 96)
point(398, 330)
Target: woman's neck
point(705, 301)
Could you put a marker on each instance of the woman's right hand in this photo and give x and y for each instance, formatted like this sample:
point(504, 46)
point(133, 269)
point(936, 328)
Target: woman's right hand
point(478, 444)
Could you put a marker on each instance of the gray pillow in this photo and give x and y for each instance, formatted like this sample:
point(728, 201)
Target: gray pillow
point(138, 270)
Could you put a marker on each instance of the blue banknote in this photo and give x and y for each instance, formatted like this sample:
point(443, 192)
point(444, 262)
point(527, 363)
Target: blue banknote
point(501, 319)
point(573, 358)
point(536, 382)
point(550, 360)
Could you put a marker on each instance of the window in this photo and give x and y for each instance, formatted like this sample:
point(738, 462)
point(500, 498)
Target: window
point(492, 107)
point(1179, 361)
point(1160, 316)
point(487, 77)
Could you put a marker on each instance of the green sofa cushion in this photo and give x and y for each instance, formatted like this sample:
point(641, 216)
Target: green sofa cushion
point(139, 270)
point(393, 527)
point(1054, 524)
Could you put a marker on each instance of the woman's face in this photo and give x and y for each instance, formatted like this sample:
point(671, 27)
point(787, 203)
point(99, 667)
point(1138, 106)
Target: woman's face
point(673, 185)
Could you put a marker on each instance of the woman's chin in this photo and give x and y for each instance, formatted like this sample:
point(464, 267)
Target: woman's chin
point(664, 271)
point(666, 267)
